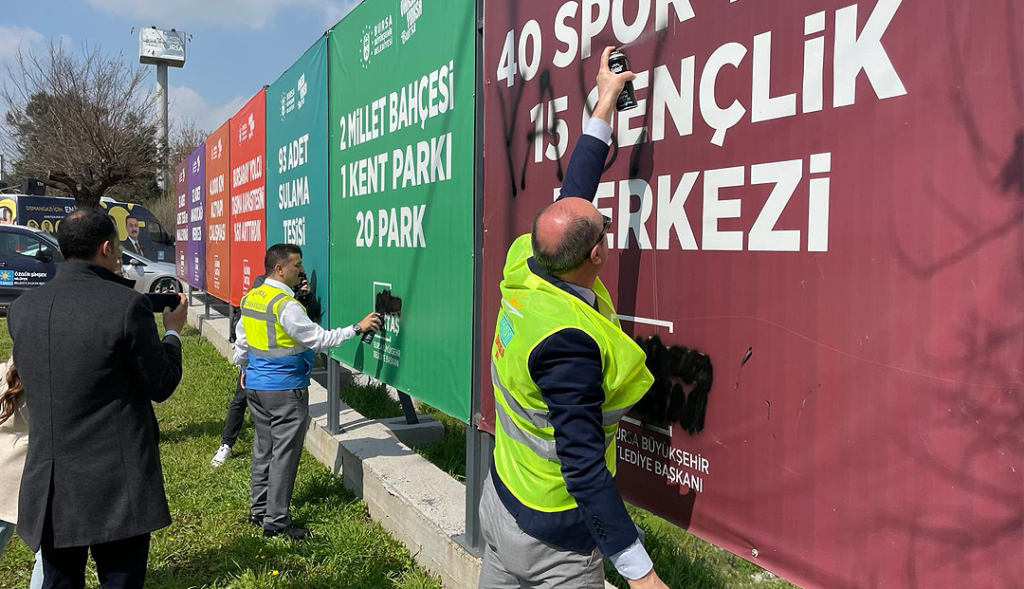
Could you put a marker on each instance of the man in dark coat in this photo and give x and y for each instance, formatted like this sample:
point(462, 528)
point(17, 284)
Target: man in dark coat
point(87, 349)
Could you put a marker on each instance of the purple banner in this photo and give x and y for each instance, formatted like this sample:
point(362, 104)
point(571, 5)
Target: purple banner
point(197, 218)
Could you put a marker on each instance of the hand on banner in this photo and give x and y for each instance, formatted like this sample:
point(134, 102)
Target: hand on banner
point(649, 581)
point(609, 86)
point(370, 323)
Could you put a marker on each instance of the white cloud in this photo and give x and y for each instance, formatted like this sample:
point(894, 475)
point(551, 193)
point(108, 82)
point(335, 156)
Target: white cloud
point(251, 14)
point(187, 103)
point(12, 38)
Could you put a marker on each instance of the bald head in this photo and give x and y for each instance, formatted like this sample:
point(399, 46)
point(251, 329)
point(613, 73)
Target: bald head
point(564, 233)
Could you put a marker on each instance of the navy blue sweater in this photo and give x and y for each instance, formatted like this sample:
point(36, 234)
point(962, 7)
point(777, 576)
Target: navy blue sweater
point(567, 367)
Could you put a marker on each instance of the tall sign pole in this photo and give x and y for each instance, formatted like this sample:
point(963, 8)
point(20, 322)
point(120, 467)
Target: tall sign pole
point(161, 93)
point(162, 48)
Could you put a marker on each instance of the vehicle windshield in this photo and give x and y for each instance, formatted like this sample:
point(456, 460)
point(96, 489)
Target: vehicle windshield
point(27, 246)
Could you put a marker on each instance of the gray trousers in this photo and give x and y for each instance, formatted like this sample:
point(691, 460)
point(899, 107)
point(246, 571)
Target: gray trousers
point(280, 419)
point(516, 560)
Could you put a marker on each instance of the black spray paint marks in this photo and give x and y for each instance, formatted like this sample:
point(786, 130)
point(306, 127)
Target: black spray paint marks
point(676, 369)
point(743, 362)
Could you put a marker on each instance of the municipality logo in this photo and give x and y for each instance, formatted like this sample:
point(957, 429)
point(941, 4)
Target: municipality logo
point(302, 88)
point(376, 38)
point(6, 278)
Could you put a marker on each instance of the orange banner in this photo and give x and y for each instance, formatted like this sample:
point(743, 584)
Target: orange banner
point(218, 214)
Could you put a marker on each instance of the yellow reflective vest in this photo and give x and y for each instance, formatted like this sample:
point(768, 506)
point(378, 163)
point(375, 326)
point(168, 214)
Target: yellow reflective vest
point(533, 309)
point(276, 361)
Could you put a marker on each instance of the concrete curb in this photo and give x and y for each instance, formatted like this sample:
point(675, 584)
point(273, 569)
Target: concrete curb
point(415, 501)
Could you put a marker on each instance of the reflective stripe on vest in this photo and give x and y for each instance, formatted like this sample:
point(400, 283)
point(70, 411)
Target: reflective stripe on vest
point(539, 418)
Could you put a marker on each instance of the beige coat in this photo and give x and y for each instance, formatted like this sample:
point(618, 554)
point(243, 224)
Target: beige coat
point(13, 448)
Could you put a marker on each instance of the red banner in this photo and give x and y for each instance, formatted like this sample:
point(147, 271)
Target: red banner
point(248, 194)
point(181, 220)
point(825, 199)
point(218, 213)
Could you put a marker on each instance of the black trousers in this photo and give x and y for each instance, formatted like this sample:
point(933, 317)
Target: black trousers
point(236, 416)
point(120, 564)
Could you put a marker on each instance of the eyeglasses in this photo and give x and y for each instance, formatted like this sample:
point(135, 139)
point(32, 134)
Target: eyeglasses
point(601, 237)
point(604, 230)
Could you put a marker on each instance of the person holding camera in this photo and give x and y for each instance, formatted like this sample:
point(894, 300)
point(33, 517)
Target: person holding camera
point(564, 373)
point(275, 343)
point(90, 358)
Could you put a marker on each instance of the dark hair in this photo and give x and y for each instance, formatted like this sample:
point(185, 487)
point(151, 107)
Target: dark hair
point(278, 254)
point(9, 398)
point(574, 248)
point(83, 232)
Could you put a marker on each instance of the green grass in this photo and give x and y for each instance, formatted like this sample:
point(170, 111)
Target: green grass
point(209, 544)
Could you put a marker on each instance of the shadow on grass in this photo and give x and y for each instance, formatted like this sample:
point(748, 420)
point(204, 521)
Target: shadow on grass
point(192, 430)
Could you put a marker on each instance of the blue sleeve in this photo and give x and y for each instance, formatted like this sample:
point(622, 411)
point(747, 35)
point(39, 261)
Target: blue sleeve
point(585, 168)
point(567, 367)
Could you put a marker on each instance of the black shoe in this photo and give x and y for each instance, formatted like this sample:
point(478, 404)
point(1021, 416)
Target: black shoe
point(256, 520)
point(291, 532)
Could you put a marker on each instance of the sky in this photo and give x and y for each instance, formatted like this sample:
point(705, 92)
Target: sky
point(237, 46)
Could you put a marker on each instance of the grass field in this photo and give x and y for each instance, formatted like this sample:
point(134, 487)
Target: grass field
point(209, 544)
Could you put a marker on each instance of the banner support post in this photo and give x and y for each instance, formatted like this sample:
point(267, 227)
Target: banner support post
point(408, 409)
point(333, 408)
point(479, 445)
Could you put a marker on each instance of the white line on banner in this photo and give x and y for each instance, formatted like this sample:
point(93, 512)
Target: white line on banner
point(653, 428)
point(656, 322)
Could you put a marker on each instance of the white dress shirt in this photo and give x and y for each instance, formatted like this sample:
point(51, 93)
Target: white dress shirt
point(294, 321)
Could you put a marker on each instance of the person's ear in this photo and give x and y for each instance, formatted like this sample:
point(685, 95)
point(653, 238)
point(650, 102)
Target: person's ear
point(595, 255)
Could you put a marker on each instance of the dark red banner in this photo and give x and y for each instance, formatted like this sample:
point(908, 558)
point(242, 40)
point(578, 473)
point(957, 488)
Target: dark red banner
point(248, 194)
point(218, 213)
point(826, 200)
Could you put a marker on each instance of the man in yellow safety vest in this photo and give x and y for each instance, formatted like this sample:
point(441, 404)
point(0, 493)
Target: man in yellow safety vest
point(274, 343)
point(564, 374)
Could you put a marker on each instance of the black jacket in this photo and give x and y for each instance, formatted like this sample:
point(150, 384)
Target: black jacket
point(127, 246)
point(87, 349)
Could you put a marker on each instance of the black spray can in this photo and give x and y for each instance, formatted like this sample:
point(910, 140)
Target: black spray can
point(618, 63)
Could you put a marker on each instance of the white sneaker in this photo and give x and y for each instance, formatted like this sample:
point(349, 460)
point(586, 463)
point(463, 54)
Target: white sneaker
point(223, 453)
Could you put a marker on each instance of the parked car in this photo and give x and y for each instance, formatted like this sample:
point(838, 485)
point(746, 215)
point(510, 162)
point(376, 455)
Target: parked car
point(149, 276)
point(28, 258)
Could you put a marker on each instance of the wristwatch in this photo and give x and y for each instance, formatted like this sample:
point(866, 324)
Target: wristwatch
point(358, 329)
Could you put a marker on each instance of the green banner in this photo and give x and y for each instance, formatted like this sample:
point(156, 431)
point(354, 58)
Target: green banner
point(297, 134)
point(402, 152)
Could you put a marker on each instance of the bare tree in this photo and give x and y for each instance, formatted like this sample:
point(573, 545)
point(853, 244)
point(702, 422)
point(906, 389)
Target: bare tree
point(186, 136)
point(81, 125)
